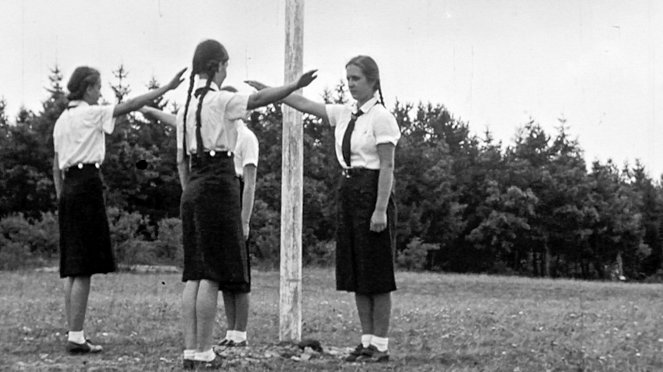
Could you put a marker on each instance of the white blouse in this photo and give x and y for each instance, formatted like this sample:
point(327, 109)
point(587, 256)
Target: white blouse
point(218, 114)
point(79, 133)
point(247, 149)
point(377, 125)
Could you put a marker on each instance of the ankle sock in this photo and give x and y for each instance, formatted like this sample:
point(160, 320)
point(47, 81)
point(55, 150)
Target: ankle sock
point(381, 343)
point(204, 356)
point(189, 353)
point(366, 340)
point(77, 337)
point(230, 335)
point(240, 336)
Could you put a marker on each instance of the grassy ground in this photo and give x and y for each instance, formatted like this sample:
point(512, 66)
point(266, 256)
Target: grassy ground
point(439, 322)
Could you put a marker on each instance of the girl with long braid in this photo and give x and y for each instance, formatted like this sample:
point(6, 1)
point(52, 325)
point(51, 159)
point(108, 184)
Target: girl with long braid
point(78, 138)
point(214, 255)
point(366, 134)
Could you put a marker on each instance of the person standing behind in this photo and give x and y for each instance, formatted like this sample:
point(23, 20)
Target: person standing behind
point(366, 134)
point(79, 144)
point(214, 248)
point(236, 304)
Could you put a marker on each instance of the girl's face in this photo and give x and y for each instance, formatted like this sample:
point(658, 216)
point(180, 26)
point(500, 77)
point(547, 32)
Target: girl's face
point(360, 88)
point(93, 93)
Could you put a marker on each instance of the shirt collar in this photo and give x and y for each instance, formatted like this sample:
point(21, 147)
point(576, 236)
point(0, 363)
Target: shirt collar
point(76, 103)
point(366, 106)
point(200, 83)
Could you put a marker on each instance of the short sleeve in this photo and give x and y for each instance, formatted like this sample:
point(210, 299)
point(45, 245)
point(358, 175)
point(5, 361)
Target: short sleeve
point(103, 115)
point(251, 149)
point(386, 129)
point(236, 106)
point(334, 113)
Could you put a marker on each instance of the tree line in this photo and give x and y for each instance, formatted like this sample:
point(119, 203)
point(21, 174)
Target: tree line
point(466, 203)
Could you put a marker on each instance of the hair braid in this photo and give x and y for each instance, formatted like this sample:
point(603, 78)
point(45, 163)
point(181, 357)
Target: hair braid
point(380, 92)
point(186, 111)
point(212, 67)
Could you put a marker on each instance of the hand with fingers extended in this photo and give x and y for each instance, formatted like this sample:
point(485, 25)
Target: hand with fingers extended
point(256, 84)
point(177, 80)
point(306, 78)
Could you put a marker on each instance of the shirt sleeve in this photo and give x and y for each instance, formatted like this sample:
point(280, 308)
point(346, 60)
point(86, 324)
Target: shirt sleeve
point(385, 129)
point(103, 116)
point(236, 106)
point(334, 113)
point(251, 149)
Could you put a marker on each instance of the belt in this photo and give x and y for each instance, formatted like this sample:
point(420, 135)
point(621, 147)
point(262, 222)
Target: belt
point(80, 167)
point(214, 154)
point(354, 172)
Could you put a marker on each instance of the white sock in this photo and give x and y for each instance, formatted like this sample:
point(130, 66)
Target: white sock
point(189, 353)
point(77, 337)
point(229, 335)
point(381, 343)
point(240, 336)
point(204, 356)
point(366, 340)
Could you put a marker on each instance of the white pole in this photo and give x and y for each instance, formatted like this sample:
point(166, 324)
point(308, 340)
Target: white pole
point(290, 309)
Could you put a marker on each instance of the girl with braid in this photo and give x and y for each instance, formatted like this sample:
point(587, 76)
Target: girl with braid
point(215, 258)
point(78, 138)
point(366, 134)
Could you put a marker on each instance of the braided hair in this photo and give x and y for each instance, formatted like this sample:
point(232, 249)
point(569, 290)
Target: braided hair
point(209, 54)
point(82, 78)
point(369, 68)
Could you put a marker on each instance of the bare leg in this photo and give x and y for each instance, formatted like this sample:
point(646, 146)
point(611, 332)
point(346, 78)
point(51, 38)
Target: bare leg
point(80, 291)
point(189, 313)
point(365, 310)
point(68, 283)
point(241, 311)
point(208, 294)
point(229, 308)
point(381, 314)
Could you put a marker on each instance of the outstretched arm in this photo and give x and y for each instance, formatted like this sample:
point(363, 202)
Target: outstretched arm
point(134, 104)
point(272, 94)
point(157, 114)
point(296, 101)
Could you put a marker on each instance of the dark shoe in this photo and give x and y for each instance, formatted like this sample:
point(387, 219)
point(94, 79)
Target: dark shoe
point(224, 342)
point(87, 347)
point(371, 354)
point(215, 363)
point(188, 364)
point(354, 354)
point(237, 344)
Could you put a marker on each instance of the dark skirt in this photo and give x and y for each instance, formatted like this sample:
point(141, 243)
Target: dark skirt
point(364, 259)
point(214, 248)
point(85, 246)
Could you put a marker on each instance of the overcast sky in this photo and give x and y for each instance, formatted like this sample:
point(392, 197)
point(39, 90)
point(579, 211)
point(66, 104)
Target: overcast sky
point(494, 64)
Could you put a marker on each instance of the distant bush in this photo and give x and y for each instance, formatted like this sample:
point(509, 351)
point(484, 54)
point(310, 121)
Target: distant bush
point(131, 237)
point(414, 256)
point(27, 242)
point(321, 254)
point(168, 243)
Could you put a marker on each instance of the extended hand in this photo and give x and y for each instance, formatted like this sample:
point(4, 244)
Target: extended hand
point(177, 80)
point(256, 84)
point(306, 78)
point(245, 231)
point(378, 221)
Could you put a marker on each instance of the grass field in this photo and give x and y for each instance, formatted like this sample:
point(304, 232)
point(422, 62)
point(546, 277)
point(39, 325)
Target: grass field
point(440, 322)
